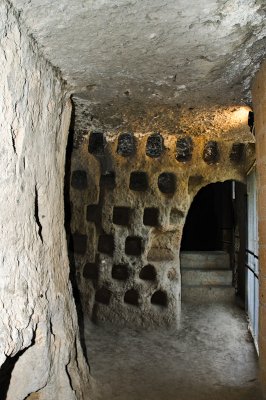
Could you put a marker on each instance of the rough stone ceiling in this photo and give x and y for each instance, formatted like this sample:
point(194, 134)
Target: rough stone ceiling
point(162, 51)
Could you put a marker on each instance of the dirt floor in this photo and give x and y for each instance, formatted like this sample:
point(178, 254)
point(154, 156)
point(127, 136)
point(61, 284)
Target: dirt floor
point(212, 357)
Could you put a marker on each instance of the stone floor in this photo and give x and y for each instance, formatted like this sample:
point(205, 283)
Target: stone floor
point(211, 357)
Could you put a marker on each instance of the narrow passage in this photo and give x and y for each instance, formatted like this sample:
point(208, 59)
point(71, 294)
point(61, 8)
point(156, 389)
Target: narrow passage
point(212, 357)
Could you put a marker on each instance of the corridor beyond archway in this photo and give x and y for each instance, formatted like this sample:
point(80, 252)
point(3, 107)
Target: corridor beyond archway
point(213, 247)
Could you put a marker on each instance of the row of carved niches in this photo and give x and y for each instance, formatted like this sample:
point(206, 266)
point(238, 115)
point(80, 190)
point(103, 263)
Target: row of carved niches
point(131, 297)
point(138, 182)
point(124, 216)
point(133, 246)
point(120, 272)
point(127, 147)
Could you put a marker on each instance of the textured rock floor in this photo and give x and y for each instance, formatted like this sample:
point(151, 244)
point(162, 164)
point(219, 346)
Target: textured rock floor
point(211, 357)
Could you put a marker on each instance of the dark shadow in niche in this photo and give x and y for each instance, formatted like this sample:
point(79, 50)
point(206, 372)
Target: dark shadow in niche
point(121, 215)
point(120, 272)
point(184, 149)
point(167, 183)
point(211, 154)
point(96, 143)
point(133, 246)
point(237, 153)
point(159, 298)
point(103, 296)
point(151, 216)
point(132, 297)
point(138, 181)
point(91, 271)
point(70, 241)
point(154, 145)
point(126, 145)
point(106, 244)
point(148, 273)
point(79, 180)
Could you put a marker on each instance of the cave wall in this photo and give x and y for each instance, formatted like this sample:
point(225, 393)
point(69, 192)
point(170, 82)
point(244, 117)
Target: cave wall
point(39, 342)
point(130, 194)
point(259, 103)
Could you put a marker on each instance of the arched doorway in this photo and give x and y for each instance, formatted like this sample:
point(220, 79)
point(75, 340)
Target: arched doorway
point(210, 221)
point(213, 247)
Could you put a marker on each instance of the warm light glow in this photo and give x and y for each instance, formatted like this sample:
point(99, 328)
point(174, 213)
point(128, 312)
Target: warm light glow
point(240, 115)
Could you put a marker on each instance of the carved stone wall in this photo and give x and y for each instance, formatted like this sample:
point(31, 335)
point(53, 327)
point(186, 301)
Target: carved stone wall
point(130, 195)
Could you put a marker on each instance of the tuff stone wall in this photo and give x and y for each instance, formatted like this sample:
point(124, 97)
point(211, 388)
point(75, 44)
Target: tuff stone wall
point(40, 350)
point(152, 52)
point(259, 102)
point(130, 195)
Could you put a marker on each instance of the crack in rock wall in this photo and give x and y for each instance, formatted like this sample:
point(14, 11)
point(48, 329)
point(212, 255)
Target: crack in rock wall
point(130, 195)
point(39, 341)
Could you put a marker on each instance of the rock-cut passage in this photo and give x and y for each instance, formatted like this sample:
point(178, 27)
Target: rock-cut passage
point(212, 357)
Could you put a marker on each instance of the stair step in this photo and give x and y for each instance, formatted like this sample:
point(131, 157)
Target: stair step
point(206, 277)
point(207, 294)
point(204, 260)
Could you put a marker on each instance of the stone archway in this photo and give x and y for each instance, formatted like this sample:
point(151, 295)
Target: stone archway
point(210, 270)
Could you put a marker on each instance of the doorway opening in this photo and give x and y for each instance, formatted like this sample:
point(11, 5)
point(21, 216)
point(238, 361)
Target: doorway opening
point(207, 246)
point(219, 248)
point(210, 222)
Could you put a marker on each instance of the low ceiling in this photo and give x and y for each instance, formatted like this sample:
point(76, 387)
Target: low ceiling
point(155, 51)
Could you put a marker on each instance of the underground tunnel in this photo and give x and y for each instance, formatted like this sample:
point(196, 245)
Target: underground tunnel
point(132, 198)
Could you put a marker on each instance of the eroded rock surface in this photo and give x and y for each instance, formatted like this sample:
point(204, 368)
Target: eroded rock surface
point(128, 272)
point(145, 52)
point(39, 340)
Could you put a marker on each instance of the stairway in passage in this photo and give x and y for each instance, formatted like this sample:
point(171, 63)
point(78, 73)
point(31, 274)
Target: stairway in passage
point(206, 276)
